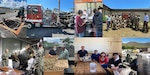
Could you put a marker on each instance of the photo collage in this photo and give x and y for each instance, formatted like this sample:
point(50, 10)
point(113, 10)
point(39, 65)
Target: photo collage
point(74, 37)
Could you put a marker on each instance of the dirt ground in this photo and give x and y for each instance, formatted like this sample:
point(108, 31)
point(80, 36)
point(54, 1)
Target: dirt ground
point(125, 32)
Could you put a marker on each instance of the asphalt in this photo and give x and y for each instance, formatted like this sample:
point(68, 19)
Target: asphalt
point(40, 32)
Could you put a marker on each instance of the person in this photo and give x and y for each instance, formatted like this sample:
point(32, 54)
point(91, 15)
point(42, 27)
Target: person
point(95, 56)
point(108, 22)
point(82, 53)
point(103, 60)
point(15, 60)
point(52, 52)
point(5, 58)
point(64, 54)
point(145, 25)
point(114, 63)
point(39, 59)
point(80, 24)
point(128, 58)
point(98, 21)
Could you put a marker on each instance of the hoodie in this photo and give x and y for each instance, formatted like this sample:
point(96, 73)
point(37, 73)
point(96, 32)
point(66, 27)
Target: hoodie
point(98, 18)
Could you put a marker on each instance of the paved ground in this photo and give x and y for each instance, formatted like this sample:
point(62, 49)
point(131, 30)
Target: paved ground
point(39, 32)
point(124, 32)
point(8, 15)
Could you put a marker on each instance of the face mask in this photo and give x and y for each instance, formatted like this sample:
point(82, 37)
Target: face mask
point(54, 49)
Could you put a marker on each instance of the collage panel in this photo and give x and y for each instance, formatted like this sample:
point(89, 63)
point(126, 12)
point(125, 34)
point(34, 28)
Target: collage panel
point(126, 18)
point(11, 18)
point(59, 56)
point(136, 54)
point(21, 56)
point(88, 19)
point(97, 56)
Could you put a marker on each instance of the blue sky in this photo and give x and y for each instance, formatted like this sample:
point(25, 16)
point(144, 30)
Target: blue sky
point(139, 40)
point(127, 4)
point(65, 5)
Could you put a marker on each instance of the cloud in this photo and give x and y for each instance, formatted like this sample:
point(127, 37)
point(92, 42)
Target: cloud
point(13, 3)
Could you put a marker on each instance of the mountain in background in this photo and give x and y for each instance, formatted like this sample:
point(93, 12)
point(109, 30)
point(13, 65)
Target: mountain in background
point(13, 3)
point(137, 45)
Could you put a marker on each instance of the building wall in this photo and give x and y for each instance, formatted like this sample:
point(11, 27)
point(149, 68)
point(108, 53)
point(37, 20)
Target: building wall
point(87, 6)
point(3, 10)
point(108, 45)
point(12, 44)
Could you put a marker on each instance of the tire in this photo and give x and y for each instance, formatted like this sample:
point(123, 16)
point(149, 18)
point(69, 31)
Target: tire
point(30, 25)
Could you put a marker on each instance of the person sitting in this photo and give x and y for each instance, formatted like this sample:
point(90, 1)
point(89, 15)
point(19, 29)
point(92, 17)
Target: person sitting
point(103, 60)
point(52, 52)
point(95, 56)
point(82, 53)
point(64, 54)
point(114, 63)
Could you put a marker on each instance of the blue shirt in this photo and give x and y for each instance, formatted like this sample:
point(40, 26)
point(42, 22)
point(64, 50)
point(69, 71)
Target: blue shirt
point(82, 53)
point(95, 56)
point(146, 18)
point(109, 19)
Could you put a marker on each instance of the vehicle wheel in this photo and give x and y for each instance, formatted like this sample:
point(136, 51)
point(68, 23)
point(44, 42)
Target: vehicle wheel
point(30, 25)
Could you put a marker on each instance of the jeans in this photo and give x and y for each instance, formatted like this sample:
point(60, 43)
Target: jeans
point(81, 34)
point(99, 31)
point(104, 65)
point(108, 24)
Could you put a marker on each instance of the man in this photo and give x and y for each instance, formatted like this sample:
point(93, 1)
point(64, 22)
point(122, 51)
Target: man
point(98, 21)
point(85, 15)
point(108, 22)
point(114, 63)
point(39, 59)
point(145, 25)
point(82, 53)
point(136, 23)
point(95, 56)
point(5, 58)
point(64, 54)
point(52, 52)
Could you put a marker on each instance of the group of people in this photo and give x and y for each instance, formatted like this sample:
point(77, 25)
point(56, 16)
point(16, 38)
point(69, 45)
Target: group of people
point(82, 19)
point(102, 58)
point(64, 54)
point(131, 20)
point(28, 60)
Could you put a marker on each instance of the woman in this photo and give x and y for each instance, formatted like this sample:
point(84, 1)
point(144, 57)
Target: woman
point(80, 24)
point(103, 60)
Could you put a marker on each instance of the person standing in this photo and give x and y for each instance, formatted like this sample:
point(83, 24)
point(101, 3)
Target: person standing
point(108, 22)
point(64, 54)
point(145, 25)
point(98, 21)
point(80, 24)
point(5, 58)
point(39, 59)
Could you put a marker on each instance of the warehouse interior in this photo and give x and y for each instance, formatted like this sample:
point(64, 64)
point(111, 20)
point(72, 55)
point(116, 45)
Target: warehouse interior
point(14, 45)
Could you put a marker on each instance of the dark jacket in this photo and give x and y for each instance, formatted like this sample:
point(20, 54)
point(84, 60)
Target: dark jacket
point(97, 18)
point(112, 61)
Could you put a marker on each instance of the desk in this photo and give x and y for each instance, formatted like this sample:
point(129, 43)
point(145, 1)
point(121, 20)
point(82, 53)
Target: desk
point(5, 69)
point(83, 68)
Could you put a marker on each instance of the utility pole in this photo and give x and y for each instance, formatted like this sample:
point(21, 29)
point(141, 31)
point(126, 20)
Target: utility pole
point(58, 21)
